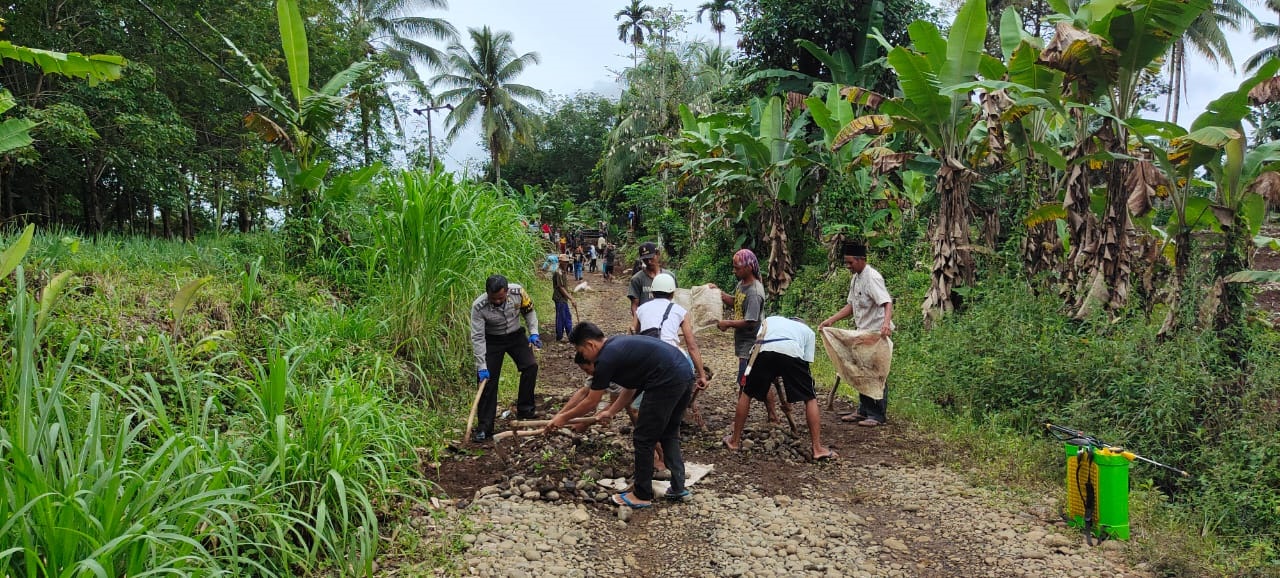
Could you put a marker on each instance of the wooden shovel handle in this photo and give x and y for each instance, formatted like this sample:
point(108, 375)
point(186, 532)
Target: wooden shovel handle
point(544, 422)
point(475, 405)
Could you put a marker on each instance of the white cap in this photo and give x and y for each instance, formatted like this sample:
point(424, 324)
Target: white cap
point(663, 283)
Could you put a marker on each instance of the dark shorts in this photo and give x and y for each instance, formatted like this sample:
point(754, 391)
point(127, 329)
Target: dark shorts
point(794, 372)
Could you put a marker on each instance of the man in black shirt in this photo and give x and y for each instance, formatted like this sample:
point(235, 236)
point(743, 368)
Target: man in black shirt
point(638, 364)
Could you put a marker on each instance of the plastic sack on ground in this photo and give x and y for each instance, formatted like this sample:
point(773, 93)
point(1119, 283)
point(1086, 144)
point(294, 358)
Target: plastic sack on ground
point(704, 306)
point(862, 358)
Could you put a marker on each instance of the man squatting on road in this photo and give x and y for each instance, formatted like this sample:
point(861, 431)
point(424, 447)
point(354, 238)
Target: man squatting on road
point(640, 365)
point(495, 332)
point(871, 306)
point(784, 348)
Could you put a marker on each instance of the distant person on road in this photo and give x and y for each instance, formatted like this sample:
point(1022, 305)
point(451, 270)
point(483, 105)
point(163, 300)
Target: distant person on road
point(871, 306)
point(593, 257)
point(640, 291)
point(638, 364)
point(610, 253)
point(784, 349)
point(561, 296)
point(748, 309)
point(495, 333)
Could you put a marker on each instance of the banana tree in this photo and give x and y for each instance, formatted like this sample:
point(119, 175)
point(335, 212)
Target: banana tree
point(1216, 142)
point(763, 158)
point(297, 128)
point(1103, 48)
point(935, 79)
point(94, 68)
point(1239, 174)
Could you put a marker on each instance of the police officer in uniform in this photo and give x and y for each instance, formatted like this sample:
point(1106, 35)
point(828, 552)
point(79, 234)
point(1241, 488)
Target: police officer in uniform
point(496, 331)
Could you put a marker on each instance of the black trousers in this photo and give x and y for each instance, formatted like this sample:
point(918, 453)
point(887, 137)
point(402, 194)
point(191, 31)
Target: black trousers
point(517, 346)
point(661, 411)
point(876, 409)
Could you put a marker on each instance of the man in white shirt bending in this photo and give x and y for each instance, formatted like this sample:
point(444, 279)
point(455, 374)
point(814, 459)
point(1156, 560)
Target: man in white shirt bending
point(783, 348)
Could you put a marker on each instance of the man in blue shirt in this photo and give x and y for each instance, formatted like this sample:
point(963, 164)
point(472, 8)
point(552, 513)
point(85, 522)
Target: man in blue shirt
point(640, 365)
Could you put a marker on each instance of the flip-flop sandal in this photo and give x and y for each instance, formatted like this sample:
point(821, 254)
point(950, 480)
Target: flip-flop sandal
point(623, 500)
point(830, 455)
point(724, 441)
point(680, 496)
point(870, 423)
point(853, 418)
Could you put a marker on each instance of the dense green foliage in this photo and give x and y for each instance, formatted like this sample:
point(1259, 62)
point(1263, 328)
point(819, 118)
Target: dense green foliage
point(771, 27)
point(563, 151)
point(436, 242)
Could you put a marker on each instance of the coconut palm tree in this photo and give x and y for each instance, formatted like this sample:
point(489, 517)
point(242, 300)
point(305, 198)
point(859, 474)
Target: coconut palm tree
point(635, 23)
point(391, 29)
point(481, 80)
point(390, 32)
point(1206, 37)
point(717, 8)
point(1265, 31)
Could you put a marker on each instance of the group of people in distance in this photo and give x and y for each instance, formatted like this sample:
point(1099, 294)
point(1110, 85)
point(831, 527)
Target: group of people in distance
point(649, 373)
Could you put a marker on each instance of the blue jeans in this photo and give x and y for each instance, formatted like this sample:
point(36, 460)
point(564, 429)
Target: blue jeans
point(564, 321)
point(577, 270)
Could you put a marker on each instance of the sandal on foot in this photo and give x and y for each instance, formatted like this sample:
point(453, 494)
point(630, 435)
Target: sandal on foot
point(870, 423)
point(623, 499)
point(829, 456)
point(724, 441)
point(680, 496)
point(853, 417)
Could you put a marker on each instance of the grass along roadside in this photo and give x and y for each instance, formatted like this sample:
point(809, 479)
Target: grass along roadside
point(280, 427)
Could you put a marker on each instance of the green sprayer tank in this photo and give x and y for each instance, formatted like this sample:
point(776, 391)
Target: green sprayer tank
point(1108, 473)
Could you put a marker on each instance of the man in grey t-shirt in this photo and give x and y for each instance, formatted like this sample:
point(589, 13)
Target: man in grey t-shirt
point(640, 291)
point(748, 309)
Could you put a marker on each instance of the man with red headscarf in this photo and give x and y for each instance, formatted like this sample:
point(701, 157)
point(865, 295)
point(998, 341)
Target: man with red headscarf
point(748, 309)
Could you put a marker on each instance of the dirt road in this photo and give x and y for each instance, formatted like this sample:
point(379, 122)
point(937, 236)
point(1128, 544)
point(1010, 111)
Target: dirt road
point(882, 509)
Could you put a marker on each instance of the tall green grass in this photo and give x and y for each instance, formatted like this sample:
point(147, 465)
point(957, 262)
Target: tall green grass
point(438, 239)
point(86, 492)
point(124, 451)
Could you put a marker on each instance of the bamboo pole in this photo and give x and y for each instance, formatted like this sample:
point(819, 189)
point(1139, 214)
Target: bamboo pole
point(544, 422)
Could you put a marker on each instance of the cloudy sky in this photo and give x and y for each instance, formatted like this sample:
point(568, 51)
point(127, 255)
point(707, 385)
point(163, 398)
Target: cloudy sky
point(578, 43)
point(576, 39)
